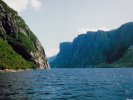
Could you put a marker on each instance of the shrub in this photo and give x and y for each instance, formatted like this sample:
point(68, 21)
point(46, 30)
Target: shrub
point(9, 59)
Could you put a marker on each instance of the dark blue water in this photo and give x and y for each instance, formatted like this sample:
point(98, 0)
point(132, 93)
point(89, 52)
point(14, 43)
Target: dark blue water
point(68, 84)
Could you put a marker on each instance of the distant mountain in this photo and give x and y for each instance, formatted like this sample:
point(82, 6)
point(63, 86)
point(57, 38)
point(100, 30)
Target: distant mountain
point(98, 49)
point(51, 59)
point(19, 47)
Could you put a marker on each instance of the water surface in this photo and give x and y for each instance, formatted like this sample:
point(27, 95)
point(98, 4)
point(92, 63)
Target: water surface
point(68, 84)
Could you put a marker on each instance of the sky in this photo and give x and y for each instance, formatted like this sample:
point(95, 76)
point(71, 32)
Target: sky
point(56, 21)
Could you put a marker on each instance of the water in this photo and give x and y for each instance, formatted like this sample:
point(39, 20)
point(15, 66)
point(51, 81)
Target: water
point(68, 84)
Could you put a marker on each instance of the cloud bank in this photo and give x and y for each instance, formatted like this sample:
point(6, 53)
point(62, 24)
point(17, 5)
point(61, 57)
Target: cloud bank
point(21, 5)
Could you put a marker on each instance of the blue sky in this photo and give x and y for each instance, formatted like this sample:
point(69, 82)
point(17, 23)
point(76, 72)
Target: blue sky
point(56, 21)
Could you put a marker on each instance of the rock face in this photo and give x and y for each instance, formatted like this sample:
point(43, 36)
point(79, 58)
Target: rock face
point(94, 48)
point(17, 34)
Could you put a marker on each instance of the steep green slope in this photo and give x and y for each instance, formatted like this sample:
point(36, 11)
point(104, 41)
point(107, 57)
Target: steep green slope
point(9, 59)
point(20, 48)
point(98, 49)
point(126, 61)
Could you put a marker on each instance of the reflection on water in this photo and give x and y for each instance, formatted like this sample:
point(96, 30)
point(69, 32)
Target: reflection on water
point(68, 84)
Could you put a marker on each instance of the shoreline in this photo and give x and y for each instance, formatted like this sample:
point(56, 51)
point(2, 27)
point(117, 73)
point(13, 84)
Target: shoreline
point(19, 70)
point(12, 70)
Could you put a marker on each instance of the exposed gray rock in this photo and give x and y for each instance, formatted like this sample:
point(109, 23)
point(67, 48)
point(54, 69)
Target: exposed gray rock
point(14, 30)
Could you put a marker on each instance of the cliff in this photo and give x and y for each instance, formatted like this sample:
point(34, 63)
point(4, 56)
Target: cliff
point(19, 47)
point(97, 48)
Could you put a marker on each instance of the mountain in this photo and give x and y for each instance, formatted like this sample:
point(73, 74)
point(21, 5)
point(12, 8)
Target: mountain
point(98, 49)
point(19, 47)
point(51, 59)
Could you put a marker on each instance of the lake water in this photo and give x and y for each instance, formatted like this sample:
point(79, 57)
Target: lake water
point(68, 84)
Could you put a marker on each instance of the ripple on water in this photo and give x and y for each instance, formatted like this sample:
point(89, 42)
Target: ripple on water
point(68, 84)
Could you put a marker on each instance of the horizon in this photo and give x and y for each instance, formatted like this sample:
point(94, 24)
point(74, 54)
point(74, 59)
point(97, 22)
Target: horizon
point(68, 19)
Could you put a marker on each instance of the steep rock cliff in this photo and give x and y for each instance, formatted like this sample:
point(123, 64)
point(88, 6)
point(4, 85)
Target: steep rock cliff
point(20, 38)
point(94, 48)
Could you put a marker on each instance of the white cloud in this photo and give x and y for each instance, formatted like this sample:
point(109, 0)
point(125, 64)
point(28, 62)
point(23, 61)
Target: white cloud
point(85, 30)
point(52, 52)
point(36, 4)
point(21, 5)
point(18, 5)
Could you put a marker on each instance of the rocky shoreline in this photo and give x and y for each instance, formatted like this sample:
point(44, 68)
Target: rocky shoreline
point(12, 70)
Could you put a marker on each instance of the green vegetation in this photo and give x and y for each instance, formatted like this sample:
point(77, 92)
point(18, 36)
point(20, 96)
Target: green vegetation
point(26, 42)
point(21, 23)
point(7, 8)
point(9, 59)
point(33, 37)
point(106, 65)
point(17, 41)
point(127, 60)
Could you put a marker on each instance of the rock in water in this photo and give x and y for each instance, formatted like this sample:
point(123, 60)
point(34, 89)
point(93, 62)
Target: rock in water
point(20, 39)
